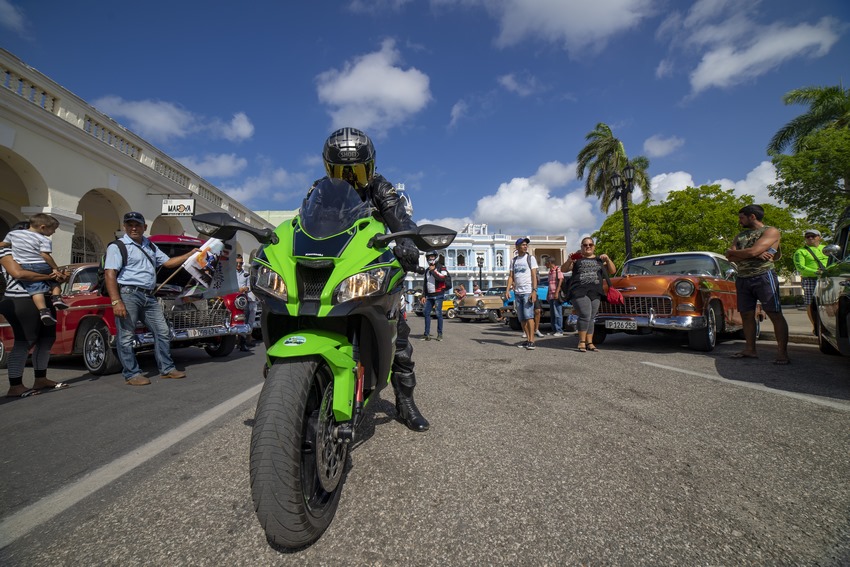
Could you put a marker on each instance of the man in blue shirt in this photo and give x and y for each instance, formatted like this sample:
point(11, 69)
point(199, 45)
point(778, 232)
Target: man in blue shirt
point(131, 287)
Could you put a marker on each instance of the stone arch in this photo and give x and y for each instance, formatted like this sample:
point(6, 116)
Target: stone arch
point(166, 225)
point(22, 187)
point(102, 211)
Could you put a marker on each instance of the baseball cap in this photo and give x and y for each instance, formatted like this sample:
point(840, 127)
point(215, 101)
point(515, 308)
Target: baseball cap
point(812, 231)
point(521, 240)
point(133, 216)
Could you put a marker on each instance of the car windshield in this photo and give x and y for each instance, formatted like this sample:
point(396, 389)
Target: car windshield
point(678, 264)
point(331, 208)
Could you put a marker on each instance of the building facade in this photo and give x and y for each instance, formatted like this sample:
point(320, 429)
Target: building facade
point(61, 156)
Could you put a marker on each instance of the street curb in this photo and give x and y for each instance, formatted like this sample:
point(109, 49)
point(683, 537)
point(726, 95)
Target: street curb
point(798, 339)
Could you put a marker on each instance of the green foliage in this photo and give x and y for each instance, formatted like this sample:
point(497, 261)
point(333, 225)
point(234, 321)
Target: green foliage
point(603, 156)
point(701, 218)
point(828, 107)
point(813, 179)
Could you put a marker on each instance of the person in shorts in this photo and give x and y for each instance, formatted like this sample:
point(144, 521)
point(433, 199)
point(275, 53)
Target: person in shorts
point(754, 251)
point(523, 279)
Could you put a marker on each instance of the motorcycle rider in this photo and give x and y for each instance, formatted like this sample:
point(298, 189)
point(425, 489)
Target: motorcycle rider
point(349, 154)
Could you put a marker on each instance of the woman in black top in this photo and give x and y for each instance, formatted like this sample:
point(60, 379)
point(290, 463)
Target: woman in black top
point(22, 315)
point(586, 288)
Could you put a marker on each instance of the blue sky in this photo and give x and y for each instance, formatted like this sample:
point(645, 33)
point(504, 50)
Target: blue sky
point(478, 106)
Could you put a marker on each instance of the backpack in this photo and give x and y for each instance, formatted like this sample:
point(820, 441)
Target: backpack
point(101, 272)
point(122, 248)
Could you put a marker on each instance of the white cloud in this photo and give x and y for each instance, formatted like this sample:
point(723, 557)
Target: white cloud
point(277, 183)
point(658, 146)
point(734, 43)
point(159, 121)
point(459, 110)
point(662, 184)
point(754, 184)
point(526, 205)
point(577, 25)
point(222, 165)
point(11, 17)
point(525, 86)
point(373, 92)
point(453, 223)
point(726, 66)
point(238, 129)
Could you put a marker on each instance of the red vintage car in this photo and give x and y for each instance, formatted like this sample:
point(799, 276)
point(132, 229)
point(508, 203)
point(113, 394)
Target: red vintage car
point(691, 293)
point(88, 328)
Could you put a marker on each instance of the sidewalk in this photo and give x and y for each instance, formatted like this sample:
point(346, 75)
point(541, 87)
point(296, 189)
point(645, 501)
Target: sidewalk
point(799, 327)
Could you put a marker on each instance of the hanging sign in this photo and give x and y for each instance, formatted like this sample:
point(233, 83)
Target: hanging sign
point(178, 207)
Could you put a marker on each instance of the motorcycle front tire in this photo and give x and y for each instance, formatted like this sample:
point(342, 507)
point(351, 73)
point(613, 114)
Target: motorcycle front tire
point(290, 500)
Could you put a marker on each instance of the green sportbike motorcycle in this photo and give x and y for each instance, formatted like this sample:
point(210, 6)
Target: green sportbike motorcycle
point(331, 291)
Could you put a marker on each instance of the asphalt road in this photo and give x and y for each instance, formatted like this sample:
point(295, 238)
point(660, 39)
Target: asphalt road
point(644, 453)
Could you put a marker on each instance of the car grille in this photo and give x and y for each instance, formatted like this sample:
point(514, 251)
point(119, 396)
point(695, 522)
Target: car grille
point(638, 305)
point(196, 314)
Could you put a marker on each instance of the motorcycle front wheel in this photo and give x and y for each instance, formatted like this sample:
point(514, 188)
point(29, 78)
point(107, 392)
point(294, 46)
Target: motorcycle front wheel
point(296, 465)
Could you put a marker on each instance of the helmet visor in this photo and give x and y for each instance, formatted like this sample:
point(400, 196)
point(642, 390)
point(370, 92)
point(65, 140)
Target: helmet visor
point(357, 173)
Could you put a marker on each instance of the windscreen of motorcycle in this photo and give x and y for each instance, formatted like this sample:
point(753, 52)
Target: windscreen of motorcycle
point(332, 207)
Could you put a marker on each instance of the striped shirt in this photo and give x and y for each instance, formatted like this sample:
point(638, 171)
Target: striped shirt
point(13, 286)
point(28, 245)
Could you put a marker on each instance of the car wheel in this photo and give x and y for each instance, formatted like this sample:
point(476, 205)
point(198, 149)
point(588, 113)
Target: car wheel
point(419, 314)
point(493, 316)
point(98, 356)
point(224, 347)
point(514, 324)
point(257, 334)
point(451, 314)
point(705, 339)
point(823, 345)
point(4, 356)
point(464, 319)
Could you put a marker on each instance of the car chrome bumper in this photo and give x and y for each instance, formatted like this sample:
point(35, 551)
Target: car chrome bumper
point(472, 313)
point(684, 323)
point(147, 338)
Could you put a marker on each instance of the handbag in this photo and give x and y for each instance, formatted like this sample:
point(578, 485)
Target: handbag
point(613, 296)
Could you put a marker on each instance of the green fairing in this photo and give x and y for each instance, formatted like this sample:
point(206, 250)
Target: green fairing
point(337, 352)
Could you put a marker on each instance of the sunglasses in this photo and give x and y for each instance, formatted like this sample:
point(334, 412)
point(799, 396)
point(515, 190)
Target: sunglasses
point(587, 245)
point(811, 236)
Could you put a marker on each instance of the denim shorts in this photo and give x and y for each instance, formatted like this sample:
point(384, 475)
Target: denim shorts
point(36, 288)
point(524, 306)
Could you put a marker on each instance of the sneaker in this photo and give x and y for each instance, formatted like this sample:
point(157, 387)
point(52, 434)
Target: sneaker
point(425, 338)
point(439, 337)
point(559, 334)
point(538, 334)
point(523, 344)
point(46, 317)
point(57, 302)
point(529, 346)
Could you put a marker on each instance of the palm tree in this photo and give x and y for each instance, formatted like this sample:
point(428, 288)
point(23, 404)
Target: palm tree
point(602, 157)
point(828, 107)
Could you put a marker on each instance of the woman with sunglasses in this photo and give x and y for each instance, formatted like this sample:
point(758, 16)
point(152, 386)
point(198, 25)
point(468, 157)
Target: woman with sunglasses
point(586, 288)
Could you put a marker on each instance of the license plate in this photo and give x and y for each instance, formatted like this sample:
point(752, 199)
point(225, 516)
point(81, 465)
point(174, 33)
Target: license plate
point(621, 325)
point(202, 332)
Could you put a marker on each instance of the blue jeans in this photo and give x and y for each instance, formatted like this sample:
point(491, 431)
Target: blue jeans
point(39, 287)
point(435, 302)
point(556, 310)
point(145, 308)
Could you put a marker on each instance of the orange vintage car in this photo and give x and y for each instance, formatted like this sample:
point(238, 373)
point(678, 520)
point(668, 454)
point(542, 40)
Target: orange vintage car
point(691, 293)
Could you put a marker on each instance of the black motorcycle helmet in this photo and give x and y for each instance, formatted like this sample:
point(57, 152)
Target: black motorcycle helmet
point(349, 154)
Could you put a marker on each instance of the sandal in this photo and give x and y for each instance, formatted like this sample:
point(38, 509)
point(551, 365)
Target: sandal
point(582, 347)
point(592, 348)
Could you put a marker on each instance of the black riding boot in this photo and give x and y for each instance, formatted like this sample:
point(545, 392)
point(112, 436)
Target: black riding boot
point(403, 384)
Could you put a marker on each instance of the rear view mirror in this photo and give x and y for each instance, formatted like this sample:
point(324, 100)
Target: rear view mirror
point(224, 226)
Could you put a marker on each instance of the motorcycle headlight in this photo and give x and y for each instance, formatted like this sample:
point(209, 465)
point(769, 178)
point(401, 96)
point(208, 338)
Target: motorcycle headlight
point(684, 288)
point(271, 282)
point(360, 285)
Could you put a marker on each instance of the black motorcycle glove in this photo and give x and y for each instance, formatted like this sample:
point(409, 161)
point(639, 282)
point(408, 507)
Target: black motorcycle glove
point(407, 254)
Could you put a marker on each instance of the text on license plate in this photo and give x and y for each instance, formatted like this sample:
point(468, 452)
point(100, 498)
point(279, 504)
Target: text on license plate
point(202, 332)
point(621, 325)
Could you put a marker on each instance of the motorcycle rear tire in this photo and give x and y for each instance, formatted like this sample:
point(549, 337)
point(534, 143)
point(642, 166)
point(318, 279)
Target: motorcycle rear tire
point(291, 504)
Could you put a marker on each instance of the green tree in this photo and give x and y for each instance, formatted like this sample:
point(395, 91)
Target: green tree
point(602, 157)
point(828, 107)
point(814, 179)
point(696, 218)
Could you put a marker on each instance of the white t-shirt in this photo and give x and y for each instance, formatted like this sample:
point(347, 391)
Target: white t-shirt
point(522, 275)
point(28, 245)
